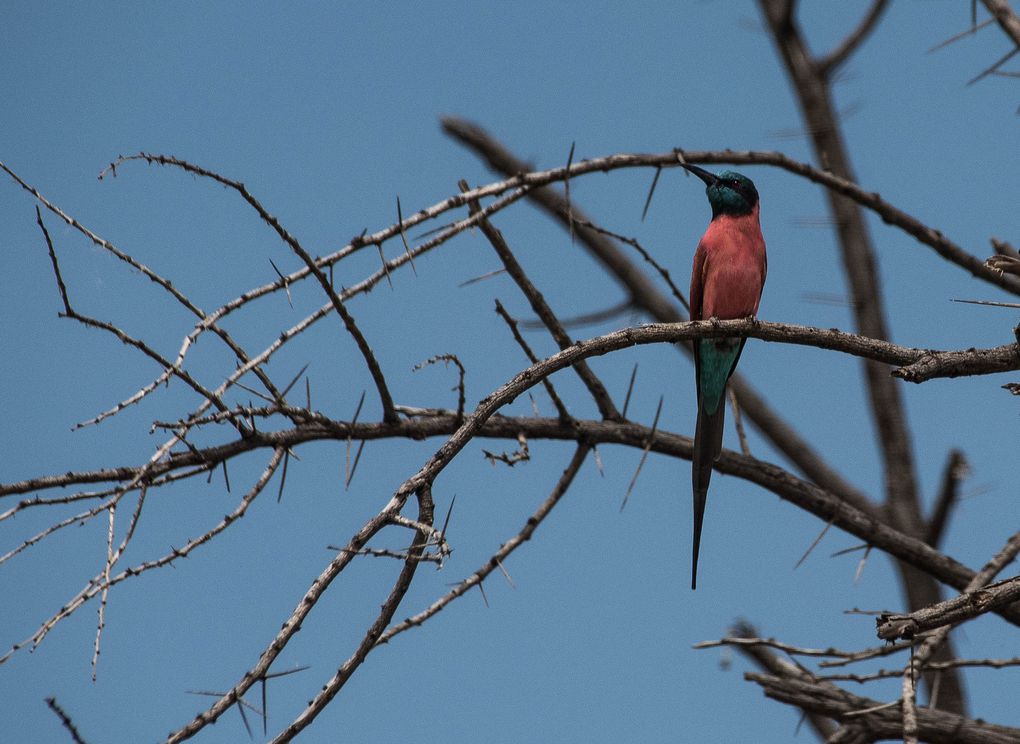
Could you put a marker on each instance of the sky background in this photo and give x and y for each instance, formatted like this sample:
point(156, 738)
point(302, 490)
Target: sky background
point(328, 112)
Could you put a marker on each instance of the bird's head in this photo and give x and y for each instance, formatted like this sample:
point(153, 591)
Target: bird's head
point(729, 193)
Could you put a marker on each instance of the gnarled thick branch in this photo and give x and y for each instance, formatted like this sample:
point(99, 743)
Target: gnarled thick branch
point(881, 721)
point(964, 607)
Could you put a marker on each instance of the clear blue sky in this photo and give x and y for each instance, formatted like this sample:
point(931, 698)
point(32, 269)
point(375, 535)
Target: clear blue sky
point(327, 113)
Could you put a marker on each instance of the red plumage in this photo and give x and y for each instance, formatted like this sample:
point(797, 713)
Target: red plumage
point(729, 268)
point(726, 283)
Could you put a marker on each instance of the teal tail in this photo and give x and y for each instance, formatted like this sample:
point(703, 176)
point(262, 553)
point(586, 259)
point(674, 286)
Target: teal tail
point(715, 361)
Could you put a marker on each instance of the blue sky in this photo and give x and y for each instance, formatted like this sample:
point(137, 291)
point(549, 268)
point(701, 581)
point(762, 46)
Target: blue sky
point(328, 112)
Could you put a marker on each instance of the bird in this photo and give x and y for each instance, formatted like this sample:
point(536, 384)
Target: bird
point(729, 271)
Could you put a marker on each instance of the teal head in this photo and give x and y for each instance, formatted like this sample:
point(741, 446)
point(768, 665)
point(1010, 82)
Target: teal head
point(729, 193)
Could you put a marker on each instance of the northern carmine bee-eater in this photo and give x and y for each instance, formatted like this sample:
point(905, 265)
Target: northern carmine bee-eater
point(726, 283)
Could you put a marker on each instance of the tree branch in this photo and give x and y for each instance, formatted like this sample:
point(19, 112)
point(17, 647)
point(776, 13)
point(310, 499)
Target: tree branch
point(348, 320)
point(902, 502)
point(834, 60)
point(881, 721)
point(544, 312)
point(1005, 17)
point(525, 533)
point(953, 611)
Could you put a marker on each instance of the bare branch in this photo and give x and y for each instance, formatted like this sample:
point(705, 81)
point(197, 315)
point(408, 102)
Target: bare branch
point(834, 60)
point(774, 664)
point(65, 721)
point(874, 720)
point(955, 471)
point(1005, 17)
point(812, 87)
point(366, 351)
point(951, 612)
point(915, 364)
point(504, 551)
point(371, 638)
point(553, 395)
point(543, 311)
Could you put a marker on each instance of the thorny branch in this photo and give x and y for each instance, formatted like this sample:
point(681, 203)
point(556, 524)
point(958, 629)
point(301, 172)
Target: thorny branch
point(964, 607)
point(179, 459)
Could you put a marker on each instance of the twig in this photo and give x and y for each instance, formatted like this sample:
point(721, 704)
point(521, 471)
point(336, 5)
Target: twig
point(879, 720)
point(333, 686)
point(830, 63)
point(338, 305)
point(645, 296)
point(65, 721)
point(448, 358)
point(649, 259)
point(504, 551)
point(955, 471)
point(97, 585)
point(543, 311)
point(546, 383)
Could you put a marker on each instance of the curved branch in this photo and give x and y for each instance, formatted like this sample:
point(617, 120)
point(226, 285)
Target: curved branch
point(966, 606)
point(915, 365)
point(293, 623)
point(874, 721)
point(484, 422)
point(645, 295)
point(348, 320)
point(389, 607)
point(1005, 17)
point(832, 62)
point(500, 555)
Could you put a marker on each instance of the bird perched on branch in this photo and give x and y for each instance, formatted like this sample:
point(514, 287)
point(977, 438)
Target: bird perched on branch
point(726, 283)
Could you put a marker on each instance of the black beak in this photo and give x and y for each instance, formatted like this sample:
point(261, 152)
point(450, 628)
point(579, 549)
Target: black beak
point(704, 175)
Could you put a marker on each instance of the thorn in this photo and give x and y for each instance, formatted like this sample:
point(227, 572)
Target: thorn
point(482, 277)
point(357, 459)
point(403, 237)
point(651, 190)
point(814, 544)
point(566, 188)
point(847, 551)
point(860, 565)
point(446, 522)
point(961, 35)
point(293, 382)
point(348, 473)
point(286, 282)
point(283, 475)
point(1001, 61)
point(385, 266)
point(265, 710)
point(630, 389)
point(990, 303)
point(644, 454)
point(506, 575)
